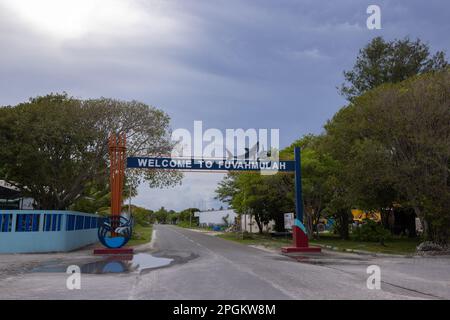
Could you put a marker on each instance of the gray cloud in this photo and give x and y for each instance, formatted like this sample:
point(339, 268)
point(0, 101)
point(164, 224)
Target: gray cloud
point(249, 64)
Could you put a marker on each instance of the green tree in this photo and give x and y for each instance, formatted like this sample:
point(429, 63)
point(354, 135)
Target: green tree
point(94, 198)
point(268, 197)
point(257, 195)
point(389, 62)
point(161, 215)
point(55, 147)
point(141, 215)
point(378, 63)
point(349, 183)
point(172, 217)
point(397, 135)
point(317, 170)
point(188, 216)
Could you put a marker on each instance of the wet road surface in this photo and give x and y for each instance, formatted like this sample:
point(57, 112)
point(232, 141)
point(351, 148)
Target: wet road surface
point(185, 264)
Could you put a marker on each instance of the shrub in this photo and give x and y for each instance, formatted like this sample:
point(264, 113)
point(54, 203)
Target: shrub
point(371, 231)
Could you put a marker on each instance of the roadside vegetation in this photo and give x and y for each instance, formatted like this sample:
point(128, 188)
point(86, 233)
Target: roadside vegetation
point(396, 245)
point(141, 235)
point(55, 148)
point(386, 152)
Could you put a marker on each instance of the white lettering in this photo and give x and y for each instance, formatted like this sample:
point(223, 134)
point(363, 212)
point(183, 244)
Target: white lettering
point(74, 280)
point(374, 20)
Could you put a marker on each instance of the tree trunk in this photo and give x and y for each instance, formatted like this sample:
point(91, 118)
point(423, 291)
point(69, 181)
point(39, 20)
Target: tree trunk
point(259, 224)
point(309, 225)
point(279, 222)
point(342, 223)
point(385, 218)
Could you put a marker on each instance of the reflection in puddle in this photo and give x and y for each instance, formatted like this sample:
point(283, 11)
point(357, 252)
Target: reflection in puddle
point(117, 264)
point(144, 261)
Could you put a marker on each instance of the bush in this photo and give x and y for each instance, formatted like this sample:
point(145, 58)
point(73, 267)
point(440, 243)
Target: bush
point(247, 235)
point(371, 231)
point(141, 216)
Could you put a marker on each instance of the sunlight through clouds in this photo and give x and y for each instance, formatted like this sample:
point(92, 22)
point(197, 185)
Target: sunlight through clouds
point(68, 19)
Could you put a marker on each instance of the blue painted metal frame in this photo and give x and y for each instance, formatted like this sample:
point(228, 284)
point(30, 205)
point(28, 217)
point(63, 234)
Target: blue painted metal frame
point(298, 185)
point(5, 222)
point(55, 226)
point(289, 166)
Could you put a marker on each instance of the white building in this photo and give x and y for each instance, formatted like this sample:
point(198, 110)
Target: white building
point(216, 217)
point(248, 223)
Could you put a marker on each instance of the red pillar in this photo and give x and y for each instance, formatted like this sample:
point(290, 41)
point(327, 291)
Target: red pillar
point(117, 154)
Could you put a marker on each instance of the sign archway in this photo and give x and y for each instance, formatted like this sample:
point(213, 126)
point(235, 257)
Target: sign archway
point(119, 230)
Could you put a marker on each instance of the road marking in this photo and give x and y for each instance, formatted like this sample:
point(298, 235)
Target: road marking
point(152, 242)
point(239, 267)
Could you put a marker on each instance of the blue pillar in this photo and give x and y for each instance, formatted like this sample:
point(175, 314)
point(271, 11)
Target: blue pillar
point(298, 185)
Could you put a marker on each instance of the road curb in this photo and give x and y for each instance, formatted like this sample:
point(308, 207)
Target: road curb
point(363, 252)
point(146, 246)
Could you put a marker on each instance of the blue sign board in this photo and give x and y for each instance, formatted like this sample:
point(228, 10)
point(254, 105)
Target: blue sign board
point(213, 165)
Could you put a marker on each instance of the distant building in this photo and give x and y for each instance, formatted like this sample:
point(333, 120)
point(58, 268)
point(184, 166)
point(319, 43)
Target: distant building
point(248, 223)
point(216, 217)
point(12, 199)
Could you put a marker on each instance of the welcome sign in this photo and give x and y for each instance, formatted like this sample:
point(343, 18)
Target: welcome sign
point(213, 165)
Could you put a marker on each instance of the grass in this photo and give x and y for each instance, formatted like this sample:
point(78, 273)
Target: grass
point(186, 224)
point(256, 239)
point(397, 245)
point(394, 246)
point(140, 235)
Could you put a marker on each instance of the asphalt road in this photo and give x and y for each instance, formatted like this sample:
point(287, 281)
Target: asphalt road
point(206, 267)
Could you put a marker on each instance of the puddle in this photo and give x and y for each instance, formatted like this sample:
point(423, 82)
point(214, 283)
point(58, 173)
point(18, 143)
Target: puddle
point(119, 264)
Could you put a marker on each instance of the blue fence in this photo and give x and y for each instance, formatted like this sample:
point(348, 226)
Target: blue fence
point(46, 230)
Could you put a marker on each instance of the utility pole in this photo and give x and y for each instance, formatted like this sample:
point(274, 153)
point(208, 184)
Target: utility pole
point(245, 217)
point(129, 203)
point(251, 223)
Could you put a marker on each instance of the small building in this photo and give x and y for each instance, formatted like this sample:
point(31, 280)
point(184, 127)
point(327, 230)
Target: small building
point(11, 198)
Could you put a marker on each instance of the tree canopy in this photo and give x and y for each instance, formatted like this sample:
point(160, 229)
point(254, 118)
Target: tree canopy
point(389, 62)
point(389, 147)
point(394, 144)
point(55, 147)
point(261, 196)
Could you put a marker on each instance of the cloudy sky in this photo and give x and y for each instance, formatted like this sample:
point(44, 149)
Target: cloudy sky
point(231, 64)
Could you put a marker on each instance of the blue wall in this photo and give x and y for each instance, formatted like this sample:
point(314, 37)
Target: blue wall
point(26, 231)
